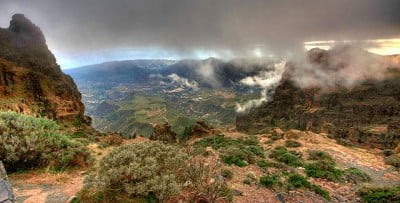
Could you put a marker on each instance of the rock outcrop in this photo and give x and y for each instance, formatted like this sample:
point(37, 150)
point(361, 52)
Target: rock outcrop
point(31, 82)
point(164, 133)
point(201, 129)
point(6, 192)
point(367, 114)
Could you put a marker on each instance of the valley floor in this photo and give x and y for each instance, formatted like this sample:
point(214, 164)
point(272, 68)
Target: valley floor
point(35, 187)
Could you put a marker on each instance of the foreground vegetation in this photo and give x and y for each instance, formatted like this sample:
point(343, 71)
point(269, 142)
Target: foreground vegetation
point(27, 142)
point(151, 171)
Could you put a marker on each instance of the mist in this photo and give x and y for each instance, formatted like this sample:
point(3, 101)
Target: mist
point(189, 28)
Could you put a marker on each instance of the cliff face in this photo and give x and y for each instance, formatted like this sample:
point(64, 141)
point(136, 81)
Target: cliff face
point(31, 82)
point(367, 114)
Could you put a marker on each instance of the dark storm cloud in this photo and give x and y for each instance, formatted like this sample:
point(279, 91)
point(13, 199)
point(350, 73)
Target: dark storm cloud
point(185, 25)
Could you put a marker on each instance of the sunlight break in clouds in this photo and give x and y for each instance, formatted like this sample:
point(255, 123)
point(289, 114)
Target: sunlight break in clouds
point(377, 46)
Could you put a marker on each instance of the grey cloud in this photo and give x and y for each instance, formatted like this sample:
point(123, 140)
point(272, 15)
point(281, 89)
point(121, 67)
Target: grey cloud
point(184, 25)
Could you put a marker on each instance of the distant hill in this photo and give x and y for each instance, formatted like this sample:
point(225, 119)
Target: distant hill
point(208, 73)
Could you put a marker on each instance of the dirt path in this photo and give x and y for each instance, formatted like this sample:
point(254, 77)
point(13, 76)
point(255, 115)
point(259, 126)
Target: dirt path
point(48, 187)
point(36, 187)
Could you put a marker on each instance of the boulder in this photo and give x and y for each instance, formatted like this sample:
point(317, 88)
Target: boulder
point(164, 133)
point(6, 192)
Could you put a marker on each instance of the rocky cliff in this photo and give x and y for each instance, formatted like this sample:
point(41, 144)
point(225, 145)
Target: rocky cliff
point(31, 82)
point(366, 114)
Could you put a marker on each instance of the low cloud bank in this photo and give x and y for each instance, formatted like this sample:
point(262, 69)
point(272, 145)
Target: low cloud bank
point(268, 81)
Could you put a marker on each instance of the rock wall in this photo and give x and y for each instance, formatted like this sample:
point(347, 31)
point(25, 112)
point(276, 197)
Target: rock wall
point(367, 114)
point(31, 82)
point(6, 192)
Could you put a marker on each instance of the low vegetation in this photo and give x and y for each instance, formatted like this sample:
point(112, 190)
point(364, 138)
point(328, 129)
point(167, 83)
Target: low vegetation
point(138, 170)
point(153, 172)
point(270, 181)
point(240, 151)
point(378, 195)
point(292, 144)
point(281, 154)
point(355, 175)
point(299, 181)
point(393, 160)
point(27, 142)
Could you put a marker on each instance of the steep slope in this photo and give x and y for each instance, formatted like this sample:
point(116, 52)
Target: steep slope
point(30, 79)
point(366, 114)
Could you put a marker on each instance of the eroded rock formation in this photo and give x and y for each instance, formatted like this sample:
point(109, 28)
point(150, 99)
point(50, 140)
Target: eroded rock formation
point(367, 114)
point(31, 82)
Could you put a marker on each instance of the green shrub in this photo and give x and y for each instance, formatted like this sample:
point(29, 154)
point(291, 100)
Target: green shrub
point(140, 170)
point(393, 160)
point(318, 190)
point(281, 154)
point(226, 173)
point(380, 195)
point(292, 144)
point(299, 181)
point(355, 175)
point(319, 155)
point(324, 169)
point(270, 181)
point(27, 142)
point(265, 164)
point(239, 151)
point(238, 157)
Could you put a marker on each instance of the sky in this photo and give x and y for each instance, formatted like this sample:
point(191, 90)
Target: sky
point(81, 32)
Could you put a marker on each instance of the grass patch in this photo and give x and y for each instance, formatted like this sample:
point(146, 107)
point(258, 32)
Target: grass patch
point(324, 169)
point(377, 195)
point(234, 151)
point(355, 175)
point(270, 181)
point(299, 181)
point(281, 154)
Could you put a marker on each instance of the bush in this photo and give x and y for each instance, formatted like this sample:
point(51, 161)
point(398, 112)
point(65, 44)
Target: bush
point(239, 151)
point(226, 173)
point(377, 195)
point(281, 154)
point(324, 169)
point(355, 175)
point(27, 142)
point(393, 160)
point(200, 188)
point(236, 156)
point(140, 170)
point(250, 179)
point(319, 155)
point(299, 181)
point(270, 181)
point(292, 144)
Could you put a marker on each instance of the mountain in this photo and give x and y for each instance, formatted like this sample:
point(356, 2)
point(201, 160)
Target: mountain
point(366, 114)
point(31, 82)
point(132, 96)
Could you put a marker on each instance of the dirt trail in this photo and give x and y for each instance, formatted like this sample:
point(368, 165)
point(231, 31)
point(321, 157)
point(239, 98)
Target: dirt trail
point(48, 187)
point(37, 187)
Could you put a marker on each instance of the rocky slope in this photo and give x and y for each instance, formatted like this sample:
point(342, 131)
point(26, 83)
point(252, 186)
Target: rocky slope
point(367, 114)
point(31, 82)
